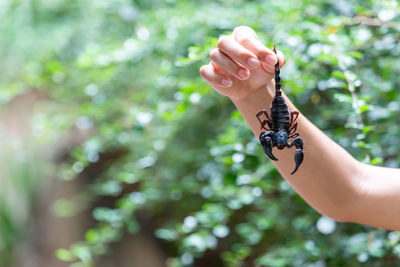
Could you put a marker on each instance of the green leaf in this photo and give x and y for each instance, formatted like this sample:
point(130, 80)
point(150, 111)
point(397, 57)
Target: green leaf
point(338, 74)
point(65, 255)
point(355, 54)
point(82, 251)
point(344, 98)
point(375, 161)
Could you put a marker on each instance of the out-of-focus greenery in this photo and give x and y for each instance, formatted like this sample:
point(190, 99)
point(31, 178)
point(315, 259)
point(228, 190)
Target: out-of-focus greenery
point(128, 71)
point(20, 177)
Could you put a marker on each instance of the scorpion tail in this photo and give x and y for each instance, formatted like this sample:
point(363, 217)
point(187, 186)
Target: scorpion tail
point(277, 75)
point(298, 158)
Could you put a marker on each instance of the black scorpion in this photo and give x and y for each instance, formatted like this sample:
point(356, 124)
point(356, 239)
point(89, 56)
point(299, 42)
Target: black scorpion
point(282, 126)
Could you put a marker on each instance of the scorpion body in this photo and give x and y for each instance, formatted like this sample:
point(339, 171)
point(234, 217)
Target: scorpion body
point(282, 125)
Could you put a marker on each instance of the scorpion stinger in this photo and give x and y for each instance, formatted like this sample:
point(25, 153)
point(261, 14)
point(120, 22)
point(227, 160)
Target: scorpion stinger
point(282, 125)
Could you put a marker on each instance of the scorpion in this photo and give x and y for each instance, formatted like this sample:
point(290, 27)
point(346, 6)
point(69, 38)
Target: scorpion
point(282, 126)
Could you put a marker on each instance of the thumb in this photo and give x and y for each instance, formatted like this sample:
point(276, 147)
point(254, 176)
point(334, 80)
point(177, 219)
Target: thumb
point(270, 68)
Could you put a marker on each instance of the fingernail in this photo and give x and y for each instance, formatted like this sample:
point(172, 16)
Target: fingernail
point(243, 74)
point(253, 62)
point(270, 59)
point(226, 82)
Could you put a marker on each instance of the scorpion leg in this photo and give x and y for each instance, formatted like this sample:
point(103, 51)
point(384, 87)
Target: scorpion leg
point(267, 144)
point(293, 117)
point(266, 121)
point(299, 154)
point(296, 134)
point(293, 128)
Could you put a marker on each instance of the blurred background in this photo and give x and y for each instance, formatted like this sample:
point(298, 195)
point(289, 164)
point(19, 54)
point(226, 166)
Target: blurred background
point(114, 152)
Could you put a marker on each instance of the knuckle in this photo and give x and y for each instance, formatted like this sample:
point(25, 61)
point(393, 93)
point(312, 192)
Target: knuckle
point(243, 28)
point(214, 54)
point(245, 35)
point(223, 40)
point(203, 70)
point(203, 73)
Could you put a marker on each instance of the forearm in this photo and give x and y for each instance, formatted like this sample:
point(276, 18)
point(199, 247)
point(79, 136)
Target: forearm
point(379, 203)
point(329, 177)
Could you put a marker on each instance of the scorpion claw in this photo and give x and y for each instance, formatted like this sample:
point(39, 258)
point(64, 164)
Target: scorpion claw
point(298, 158)
point(268, 152)
point(266, 144)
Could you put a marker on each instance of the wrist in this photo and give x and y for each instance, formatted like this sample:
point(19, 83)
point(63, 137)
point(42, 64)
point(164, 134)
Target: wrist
point(250, 105)
point(265, 91)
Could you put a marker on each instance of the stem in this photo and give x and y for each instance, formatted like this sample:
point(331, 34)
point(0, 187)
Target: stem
point(351, 88)
point(354, 97)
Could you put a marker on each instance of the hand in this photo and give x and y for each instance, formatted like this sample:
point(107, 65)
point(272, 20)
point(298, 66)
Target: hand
point(240, 65)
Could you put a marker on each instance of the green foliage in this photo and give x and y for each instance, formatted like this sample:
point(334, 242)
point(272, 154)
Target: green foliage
point(21, 174)
point(128, 71)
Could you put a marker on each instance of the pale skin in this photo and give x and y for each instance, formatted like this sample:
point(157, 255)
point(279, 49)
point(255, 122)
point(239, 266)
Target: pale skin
point(329, 179)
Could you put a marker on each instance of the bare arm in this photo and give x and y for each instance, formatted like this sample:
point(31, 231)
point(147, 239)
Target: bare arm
point(379, 204)
point(329, 179)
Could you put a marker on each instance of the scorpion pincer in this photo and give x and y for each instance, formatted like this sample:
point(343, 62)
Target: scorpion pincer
point(282, 125)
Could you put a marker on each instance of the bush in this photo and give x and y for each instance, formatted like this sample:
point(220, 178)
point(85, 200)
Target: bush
point(128, 72)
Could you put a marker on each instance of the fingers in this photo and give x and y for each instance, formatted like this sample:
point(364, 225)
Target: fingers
point(246, 37)
point(215, 79)
point(228, 65)
point(229, 46)
point(236, 56)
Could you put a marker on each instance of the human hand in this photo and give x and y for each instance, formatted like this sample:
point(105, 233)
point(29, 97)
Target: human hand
point(240, 65)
